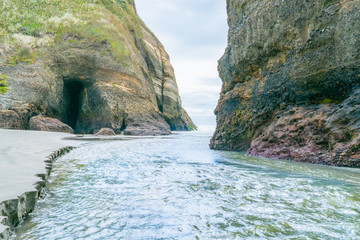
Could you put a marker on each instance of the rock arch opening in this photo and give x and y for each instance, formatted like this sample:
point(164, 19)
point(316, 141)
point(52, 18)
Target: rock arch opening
point(73, 96)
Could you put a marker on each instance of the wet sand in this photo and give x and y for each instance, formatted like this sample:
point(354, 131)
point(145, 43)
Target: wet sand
point(22, 155)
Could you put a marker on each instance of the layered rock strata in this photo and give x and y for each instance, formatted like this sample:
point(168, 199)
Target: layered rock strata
point(89, 64)
point(291, 80)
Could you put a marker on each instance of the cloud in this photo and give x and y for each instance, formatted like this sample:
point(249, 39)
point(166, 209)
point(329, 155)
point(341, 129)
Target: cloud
point(194, 34)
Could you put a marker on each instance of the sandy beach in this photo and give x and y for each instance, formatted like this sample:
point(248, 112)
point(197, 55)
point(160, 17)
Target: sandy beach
point(22, 156)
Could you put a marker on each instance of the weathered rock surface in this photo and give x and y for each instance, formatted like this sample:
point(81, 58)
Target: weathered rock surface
point(291, 79)
point(9, 119)
point(91, 65)
point(145, 127)
point(41, 123)
point(326, 134)
point(105, 132)
point(145, 130)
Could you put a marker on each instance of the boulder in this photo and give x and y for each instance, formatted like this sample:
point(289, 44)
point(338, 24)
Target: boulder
point(146, 129)
point(105, 132)
point(41, 123)
point(9, 119)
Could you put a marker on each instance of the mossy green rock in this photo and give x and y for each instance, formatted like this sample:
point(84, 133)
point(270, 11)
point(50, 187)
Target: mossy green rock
point(90, 63)
point(285, 59)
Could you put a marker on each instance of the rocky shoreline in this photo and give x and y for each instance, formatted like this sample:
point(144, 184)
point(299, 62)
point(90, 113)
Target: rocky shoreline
point(291, 81)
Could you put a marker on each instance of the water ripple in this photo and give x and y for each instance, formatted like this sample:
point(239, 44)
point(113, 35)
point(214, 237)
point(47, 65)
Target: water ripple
point(176, 188)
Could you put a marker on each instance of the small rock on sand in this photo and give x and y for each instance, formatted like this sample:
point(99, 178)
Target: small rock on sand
point(105, 132)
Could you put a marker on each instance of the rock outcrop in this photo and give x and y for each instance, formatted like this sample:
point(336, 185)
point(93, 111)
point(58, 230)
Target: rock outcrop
point(90, 64)
point(291, 80)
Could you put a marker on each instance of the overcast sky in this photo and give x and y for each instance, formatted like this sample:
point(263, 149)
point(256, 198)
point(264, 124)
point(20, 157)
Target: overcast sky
point(194, 33)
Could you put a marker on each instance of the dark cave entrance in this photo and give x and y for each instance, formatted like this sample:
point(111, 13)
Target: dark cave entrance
point(73, 96)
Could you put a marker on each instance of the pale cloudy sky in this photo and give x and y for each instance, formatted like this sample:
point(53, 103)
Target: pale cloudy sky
point(194, 33)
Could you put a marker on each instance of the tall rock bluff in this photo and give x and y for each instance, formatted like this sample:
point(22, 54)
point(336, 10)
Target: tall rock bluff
point(291, 81)
point(91, 64)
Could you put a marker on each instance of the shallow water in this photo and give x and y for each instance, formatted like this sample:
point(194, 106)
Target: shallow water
point(175, 187)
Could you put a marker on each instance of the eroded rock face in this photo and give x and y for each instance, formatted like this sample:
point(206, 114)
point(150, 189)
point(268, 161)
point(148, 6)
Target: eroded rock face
point(326, 134)
point(41, 123)
point(89, 65)
point(291, 80)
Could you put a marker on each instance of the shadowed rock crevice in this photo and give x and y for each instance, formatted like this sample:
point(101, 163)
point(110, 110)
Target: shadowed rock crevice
point(73, 98)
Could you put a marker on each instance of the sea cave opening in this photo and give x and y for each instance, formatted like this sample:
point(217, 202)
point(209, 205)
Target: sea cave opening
point(73, 89)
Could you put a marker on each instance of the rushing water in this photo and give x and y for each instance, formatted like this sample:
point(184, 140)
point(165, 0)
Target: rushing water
point(177, 188)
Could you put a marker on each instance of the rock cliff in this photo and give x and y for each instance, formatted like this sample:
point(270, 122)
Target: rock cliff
point(91, 64)
point(291, 81)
